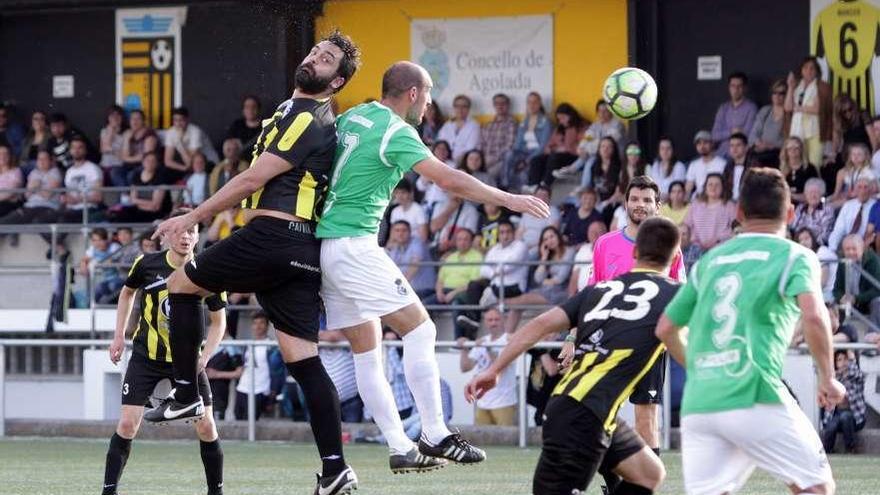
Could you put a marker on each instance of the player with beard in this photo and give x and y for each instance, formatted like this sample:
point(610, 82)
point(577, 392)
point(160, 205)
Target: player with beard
point(613, 256)
point(275, 255)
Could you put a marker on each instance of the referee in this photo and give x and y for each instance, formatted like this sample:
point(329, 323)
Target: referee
point(275, 255)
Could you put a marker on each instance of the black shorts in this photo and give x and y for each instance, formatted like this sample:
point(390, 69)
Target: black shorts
point(650, 389)
point(144, 374)
point(576, 446)
point(277, 260)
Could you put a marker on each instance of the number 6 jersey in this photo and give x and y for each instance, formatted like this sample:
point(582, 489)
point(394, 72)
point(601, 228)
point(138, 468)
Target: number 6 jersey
point(615, 345)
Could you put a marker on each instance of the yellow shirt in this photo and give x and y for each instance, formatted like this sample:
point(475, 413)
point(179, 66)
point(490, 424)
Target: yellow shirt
point(677, 216)
point(226, 229)
point(452, 276)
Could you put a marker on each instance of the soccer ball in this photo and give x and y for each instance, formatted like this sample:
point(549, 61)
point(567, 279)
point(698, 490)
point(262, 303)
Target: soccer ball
point(630, 93)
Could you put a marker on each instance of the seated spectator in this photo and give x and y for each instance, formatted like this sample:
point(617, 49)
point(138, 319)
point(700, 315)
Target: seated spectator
point(197, 183)
point(737, 164)
point(809, 101)
point(107, 279)
point(42, 204)
point(676, 206)
point(225, 223)
point(583, 259)
point(606, 125)
point(229, 167)
point(530, 227)
point(147, 202)
point(182, 140)
point(11, 133)
point(10, 178)
point(60, 136)
point(827, 259)
point(112, 142)
point(544, 373)
point(666, 168)
point(497, 137)
point(813, 213)
point(767, 134)
point(796, 170)
point(734, 116)
point(36, 139)
point(849, 126)
point(247, 127)
point(339, 363)
point(848, 417)
point(461, 131)
point(550, 280)
point(635, 165)
point(148, 244)
point(710, 218)
point(562, 148)
point(474, 164)
point(222, 367)
point(83, 181)
point(408, 252)
point(855, 214)
point(408, 210)
point(854, 289)
point(134, 145)
point(453, 279)
point(602, 173)
point(690, 251)
point(576, 221)
point(258, 364)
point(447, 218)
point(858, 163)
point(497, 406)
point(431, 124)
point(487, 227)
point(706, 163)
point(532, 136)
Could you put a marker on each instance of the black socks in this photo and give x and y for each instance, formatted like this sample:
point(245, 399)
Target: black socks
point(322, 401)
point(212, 458)
point(627, 488)
point(117, 456)
point(186, 326)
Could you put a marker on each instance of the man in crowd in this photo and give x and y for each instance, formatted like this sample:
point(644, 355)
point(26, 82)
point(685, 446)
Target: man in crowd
point(82, 180)
point(853, 288)
point(408, 210)
point(182, 140)
point(734, 116)
point(706, 163)
point(408, 252)
point(231, 165)
point(256, 362)
point(497, 406)
point(854, 215)
point(461, 131)
point(498, 136)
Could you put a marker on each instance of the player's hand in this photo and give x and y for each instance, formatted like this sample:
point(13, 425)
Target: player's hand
point(174, 226)
point(116, 349)
point(566, 356)
point(831, 392)
point(531, 205)
point(480, 384)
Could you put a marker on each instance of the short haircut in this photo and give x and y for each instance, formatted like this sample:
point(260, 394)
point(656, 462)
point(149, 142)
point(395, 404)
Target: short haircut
point(127, 229)
point(137, 111)
point(738, 75)
point(642, 182)
point(856, 238)
point(182, 111)
point(404, 185)
point(764, 194)
point(657, 241)
point(260, 315)
point(351, 56)
point(402, 222)
point(740, 136)
point(505, 222)
point(501, 95)
point(101, 232)
point(400, 77)
point(817, 183)
point(543, 187)
point(587, 190)
point(57, 117)
point(465, 98)
point(79, 139)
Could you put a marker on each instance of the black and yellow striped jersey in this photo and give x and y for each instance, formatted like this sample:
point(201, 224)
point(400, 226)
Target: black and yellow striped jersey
point(615, 345)
point(148, 274)
point(302, 131)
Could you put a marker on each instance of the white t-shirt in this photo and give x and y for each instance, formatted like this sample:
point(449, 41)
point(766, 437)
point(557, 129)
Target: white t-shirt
point(532, 227)
point(583, 261)
point(504, 394)
point(679, 172)
point(84, 174)
point(262, 377)
point(414, 215)
point(461, 139)
point(516, 251)
point(468, 218)
point(194, 138)
point(698, 170)
point(875, 163)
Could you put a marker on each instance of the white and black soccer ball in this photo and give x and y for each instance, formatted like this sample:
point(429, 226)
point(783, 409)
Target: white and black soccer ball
point(631, 93)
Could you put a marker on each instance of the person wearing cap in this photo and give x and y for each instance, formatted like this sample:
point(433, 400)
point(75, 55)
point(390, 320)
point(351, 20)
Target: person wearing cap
point(706, 163)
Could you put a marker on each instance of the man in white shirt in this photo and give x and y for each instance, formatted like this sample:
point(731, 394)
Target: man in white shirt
point(409, 210)
point(461, 132)
point(81, 174)
point(497, 406)
point(182, 140)
point(449, 216)
point(854, 214)
point(258, 361)
point(707, 163)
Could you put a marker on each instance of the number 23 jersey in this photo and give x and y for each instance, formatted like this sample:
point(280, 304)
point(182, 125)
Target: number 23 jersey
point(615, 345)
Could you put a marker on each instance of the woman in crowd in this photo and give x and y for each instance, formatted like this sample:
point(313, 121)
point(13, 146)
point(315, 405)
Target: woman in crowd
point(675, 207)
point(635, 166)
point(849, 126)
point(42, 202)
point(473, 163)
point(805, 236)
point(36, 139)
point(710, 218)
point(561, 150)
point(248, 126)
point(136, 141)
point(431, 124)
point(550, 280)
point(809, 102)
point(795, 169)
point(532, 136)
point(605, 125)
point(461, 131)
point(112, 141)
point(428, 193)
point(767, 132)
point(10, 178)
point(814, 213)
point(666, 169)
point(146, 205)
point(858, 162)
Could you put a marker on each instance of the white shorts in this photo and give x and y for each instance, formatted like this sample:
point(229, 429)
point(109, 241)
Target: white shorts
point(720, 450)
point(359, 282)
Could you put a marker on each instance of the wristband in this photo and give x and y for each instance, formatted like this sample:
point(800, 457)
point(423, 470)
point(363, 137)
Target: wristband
point(570, 338)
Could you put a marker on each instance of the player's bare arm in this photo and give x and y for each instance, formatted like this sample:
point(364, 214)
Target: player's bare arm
point(464, 185)
point(123, 311)
point(216, 329)
point(671, 335)
point(817, 333)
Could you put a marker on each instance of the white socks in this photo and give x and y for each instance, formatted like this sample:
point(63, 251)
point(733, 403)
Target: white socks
point(376, 393)
point(423, 378)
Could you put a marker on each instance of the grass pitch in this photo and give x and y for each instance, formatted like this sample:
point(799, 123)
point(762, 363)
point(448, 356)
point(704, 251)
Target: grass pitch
point(68, 467)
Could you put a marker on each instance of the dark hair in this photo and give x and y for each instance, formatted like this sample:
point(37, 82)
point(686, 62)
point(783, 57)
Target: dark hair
point(675, 183)
point(613, 174)
point(351, 56)
point(256, 100)
point(402, 222)
point(642, 182)
point(764, 194)
point(120, 229)
point(544, 187)
point(182, 111)
point(742, 137)
point(640, 167)
point(601, 102)
point(462, 97)
point(439, 118)
point(574, 115)
point(812, 60)
point(538, 95)
point(179, 212)
point(57, 117)
point(400, 77)
point(80, 139)
point(507, 222)
point(738, 75)
point(814, 242)
point(101, 232)
point(149, 153)
point(657, 241)
point(551, 228)
point(404, 185)
point(462, 164)
point(726, 190)
point(500, 95)
point(260, 315)
point(667, 170)
point(138, 111)
point(116, 109)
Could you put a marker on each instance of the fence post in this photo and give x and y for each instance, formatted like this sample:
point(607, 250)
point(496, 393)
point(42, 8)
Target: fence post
point(93, 333)
point(521, 400)
point(501, 305)
point(2, 391)
point(847, 267)
point(252, 399)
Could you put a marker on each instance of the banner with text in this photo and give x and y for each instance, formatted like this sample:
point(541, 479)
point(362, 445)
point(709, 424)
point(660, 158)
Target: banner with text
point(480, 57)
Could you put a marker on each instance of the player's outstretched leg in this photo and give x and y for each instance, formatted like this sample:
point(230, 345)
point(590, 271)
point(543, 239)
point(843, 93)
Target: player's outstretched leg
point(212, 452)
point(120, 447)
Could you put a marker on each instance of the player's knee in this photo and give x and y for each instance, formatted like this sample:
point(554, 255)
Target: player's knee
point(127, 427)
point(206, 429)
point(827, 488)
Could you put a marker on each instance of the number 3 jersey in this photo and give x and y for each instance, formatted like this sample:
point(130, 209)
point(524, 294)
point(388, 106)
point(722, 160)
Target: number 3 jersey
point(615, 345)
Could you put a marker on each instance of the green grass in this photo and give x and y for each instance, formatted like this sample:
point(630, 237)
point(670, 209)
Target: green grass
point(68, 467)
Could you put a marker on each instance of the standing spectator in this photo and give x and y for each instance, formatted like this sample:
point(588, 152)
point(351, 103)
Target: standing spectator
point(229, 167)
point(583, 259)
point(10, 178)
point(60, 140)
point(737, 163)
point(197, 183)
point(809, 102)
point(848, 417)
point(814, 213)
point(487, 227)
point(497, 406)
point(339, 363)
point(82, 181)
point(767, 133)
point(532, 136)
point(576, 221)
point(854, 215)
point(112, 141)
point(474, 163)
point(497, 137)
point(134, 145)
point(857, 163)
point(706, 163)
point(42, 204)
point(431, 124)
point(849, 126)
point(852, 288)
point(447, 218)
point(247, 127)
point(676, 206)
point(453, 279)
point(408, 253)
point(461, 131)
point(795, 169)
point(530, 227)
point(562, 148)
point(734, 116)
point(666, 168)
point(11, 133)
point(148, 202)
point(711, 216)
point(182, 140)
point(36, 139)
point(408, 210)
point(256, 362)
point(222, 367)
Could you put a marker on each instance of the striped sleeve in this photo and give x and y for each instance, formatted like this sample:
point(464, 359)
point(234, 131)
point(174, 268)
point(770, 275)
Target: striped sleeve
point(135, 278)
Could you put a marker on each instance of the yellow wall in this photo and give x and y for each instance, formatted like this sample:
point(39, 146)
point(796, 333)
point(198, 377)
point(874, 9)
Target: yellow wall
point(589, 40)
